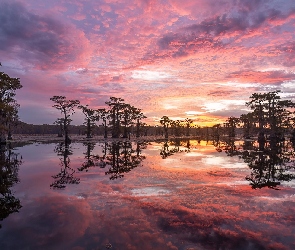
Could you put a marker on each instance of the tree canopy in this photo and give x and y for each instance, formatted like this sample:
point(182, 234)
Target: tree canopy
point(8, 105)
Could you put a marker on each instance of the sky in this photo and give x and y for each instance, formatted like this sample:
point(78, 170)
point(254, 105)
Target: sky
point(197, 59)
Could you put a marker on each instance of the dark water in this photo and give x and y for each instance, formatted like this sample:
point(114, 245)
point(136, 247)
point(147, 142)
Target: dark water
point(156, 195)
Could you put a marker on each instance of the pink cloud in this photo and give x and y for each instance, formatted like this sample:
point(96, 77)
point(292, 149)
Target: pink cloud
point(46, 43)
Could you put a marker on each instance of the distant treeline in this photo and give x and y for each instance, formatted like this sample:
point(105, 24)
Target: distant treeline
point(45, 129)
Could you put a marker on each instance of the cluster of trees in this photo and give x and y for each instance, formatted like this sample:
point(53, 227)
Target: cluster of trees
point(8, 105)
point(270, 116)
point(176, 126)
point(118, 117)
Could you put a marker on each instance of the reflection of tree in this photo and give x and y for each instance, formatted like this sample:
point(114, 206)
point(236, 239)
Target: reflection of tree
point(66, 174)
point(91, 160)
point(174, 146)
point(271, 162)
point(229, 147)
point(9, 165)
point(122, 158)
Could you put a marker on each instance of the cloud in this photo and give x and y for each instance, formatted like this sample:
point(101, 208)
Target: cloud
point(265, 77)
point(43, 41)
point(220, 32)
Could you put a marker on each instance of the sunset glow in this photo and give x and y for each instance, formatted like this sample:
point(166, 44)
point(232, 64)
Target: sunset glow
point(197, 59)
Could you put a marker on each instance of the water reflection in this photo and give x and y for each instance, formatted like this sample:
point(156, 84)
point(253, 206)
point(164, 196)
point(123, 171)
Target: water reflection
point(119, 156)
point(91, 160)
point(122, 158)
point(187, 201)
point(9, 166)
point(174, 146)
point(66, 174)
point(271, 161)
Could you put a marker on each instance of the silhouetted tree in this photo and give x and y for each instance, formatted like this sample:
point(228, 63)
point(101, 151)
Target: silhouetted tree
point(128, 117)
point(231, 124)
point(90, 118)
point(60, 123)
point(138, 116)
point(66, 107)
point(165, 121)
point(271, 113)
point(115, 114)
point(103, 114)
point(8, 105)
point(247, 122)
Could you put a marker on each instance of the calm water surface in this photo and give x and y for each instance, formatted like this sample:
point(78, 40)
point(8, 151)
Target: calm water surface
point(156, 195)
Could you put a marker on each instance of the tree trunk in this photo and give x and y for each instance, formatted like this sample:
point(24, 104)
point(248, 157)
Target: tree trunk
point(137, 129)
point(88, 128)
point(2, 139)
point(105, 129)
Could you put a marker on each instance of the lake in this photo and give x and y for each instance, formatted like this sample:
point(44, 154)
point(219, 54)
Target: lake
point(183, 194)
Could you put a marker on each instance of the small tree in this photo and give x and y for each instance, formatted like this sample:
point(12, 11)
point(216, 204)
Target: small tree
point(66, 107)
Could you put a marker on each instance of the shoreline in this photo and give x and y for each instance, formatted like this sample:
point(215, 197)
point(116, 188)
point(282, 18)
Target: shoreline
point(18, 138)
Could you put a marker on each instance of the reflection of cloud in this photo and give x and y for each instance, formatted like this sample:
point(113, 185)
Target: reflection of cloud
point(150, 191)
point(155, 207)
point(46, 224)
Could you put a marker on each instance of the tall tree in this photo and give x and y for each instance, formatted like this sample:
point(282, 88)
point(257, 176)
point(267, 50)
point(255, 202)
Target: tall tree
point(66, 107)
point(138, 116)
point(90, 118)
point(256, 104)
point(247, 123)
point(8, 105)
point(165, 121)
point(103, 114)
point(128, 117)
point(231, 124)
point(115, 113)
